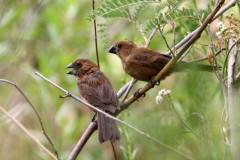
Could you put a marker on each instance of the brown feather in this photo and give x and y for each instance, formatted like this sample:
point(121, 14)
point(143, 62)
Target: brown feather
point(144, 64)
point(96, 89)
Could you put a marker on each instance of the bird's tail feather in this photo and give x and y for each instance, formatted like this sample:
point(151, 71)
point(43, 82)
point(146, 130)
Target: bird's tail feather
point(183, 66)
point(107, 129)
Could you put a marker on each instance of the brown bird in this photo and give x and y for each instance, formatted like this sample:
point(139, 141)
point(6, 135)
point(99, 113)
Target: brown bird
point(96, 89)
point(143, 64)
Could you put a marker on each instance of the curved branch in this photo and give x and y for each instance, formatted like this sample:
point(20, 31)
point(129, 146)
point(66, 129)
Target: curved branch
point(68, 94)
point(86, 135)
point(36, 112)
point(205, 58)
point(130, 86)
point(27, 132)
point(95, 33)
point(189, 36)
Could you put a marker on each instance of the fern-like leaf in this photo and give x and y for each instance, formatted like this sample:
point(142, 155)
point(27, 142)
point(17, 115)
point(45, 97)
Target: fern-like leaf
point(104, 34)
point(138, 10)
point(117, 8)
point(162, 17)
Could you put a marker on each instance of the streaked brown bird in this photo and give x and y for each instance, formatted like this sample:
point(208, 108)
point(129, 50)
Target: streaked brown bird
point(143, 64)
point(96, 89)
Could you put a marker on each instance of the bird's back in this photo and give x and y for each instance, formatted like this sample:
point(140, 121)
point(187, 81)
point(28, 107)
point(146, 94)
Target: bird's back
point(143, 64)
point(97, 90)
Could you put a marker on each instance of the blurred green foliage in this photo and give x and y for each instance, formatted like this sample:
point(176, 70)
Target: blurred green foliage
point(46, 36)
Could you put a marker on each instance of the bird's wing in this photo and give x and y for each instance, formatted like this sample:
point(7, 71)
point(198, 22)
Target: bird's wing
point(148, 58)
point(99, 92)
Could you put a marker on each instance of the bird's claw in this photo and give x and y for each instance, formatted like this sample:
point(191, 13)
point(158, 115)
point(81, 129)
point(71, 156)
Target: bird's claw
point(157, 83)
point(153, 83)
point(66, 95)
point(137, 94)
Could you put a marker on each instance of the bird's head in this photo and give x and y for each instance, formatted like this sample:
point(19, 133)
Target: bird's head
point(82, 67)
point(122, 48)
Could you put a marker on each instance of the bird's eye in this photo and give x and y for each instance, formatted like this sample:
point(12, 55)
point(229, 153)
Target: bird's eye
point(79, 64)
point(119, 45)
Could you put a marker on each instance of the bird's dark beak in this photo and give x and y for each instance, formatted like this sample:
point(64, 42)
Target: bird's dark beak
point(112, 50)
point(72, 72)
point(70, 66)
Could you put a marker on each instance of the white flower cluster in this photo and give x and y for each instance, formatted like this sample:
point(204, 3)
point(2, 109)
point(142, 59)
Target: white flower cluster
point(221, 28)
point(161, 93)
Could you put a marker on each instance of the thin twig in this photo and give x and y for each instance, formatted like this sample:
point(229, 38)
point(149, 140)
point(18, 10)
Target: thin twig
point(206, 58)
point(180, 118)
point(28, 133)
point(114, 151)
point(123, 90)
point(190, 35)
point(174, 37)
point(232, 46)
point(139, 27)
point(210, 37)
point(228, 52)
point(150, 37)
point(185, 54)
point(216, 66)
point(165, 40)
point(128, 89)
point(197, 35)
point(95, 33)
point(36, 112)
point(86, 135)
point(114, 118)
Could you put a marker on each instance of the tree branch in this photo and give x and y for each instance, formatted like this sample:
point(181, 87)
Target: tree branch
point(86, 135)
point(150, 37)
point(206, 58)
point(28, 133)
point(36, 112)
point(215, 64)
point(114, 118)
point(128, 89)
point(165, 40)
point(233, 100)
point(95, 33)
point(123, 90)
point(189, 36)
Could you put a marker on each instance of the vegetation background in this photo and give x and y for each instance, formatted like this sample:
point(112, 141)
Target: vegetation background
point(46, 36)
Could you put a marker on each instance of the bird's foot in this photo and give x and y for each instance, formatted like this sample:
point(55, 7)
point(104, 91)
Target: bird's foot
point(153, 82)
point(137, 94)
point(66, 95)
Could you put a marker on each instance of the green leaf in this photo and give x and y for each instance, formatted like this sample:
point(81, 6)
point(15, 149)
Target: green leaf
point(114, 8)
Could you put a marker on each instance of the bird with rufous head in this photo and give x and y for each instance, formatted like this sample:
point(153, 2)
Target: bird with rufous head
point(97, 90)
point(144, 64)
